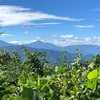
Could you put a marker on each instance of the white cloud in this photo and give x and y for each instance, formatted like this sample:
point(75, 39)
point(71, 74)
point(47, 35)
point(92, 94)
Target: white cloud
point(17, 15)
point(40, 24)
point(66, 36)
point(28, 41)
point(84, 26)
point(78, 41)
point(63, 40)
point(22, 42)
point(5, 35)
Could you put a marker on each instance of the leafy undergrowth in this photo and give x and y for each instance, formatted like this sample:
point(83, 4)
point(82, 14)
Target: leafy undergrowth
point(34, 79)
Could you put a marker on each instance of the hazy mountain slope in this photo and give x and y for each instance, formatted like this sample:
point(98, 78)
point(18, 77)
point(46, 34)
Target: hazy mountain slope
point(84, 49)
point(54, 51)
point(3, 44)
point(42, 45)
point(54, 56)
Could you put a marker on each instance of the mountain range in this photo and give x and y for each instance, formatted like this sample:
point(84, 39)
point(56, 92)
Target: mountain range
point(55, 52)
point(84, 49)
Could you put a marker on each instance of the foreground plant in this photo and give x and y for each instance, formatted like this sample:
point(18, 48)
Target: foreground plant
point(34, 79)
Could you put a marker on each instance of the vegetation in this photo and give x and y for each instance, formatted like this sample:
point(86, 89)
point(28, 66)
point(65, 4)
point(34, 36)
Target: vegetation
point(34, 79)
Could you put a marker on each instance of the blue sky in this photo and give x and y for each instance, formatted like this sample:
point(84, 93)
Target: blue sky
point(61, 22)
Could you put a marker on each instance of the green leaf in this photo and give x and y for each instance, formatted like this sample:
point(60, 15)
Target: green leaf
point(31, 94)
point(21, 79)
point(91, 84)
point(65, 98)
point(27, 94)
point(37, 95)
point(99, 75)
point(93, 74)
point(38, 81)
point(13, 98)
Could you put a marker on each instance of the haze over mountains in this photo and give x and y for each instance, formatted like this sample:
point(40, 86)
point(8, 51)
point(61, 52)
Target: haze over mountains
point(55, 52)
point(4, 44)
point(84, 49)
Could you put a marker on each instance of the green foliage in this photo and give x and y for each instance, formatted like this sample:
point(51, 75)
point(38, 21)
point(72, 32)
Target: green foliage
point(31, 94)
point(34, 79)
point(93, 74)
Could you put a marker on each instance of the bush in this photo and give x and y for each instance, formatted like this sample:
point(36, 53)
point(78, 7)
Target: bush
point(34, 79)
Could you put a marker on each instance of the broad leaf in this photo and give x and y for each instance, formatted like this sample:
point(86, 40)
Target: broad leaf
point(91, 84)
point(31, 94)
point(93, 74)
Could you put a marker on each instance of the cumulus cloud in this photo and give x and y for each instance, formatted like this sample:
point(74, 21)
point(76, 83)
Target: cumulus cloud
point(17, 15)
point(77, 40)
point(84, 26)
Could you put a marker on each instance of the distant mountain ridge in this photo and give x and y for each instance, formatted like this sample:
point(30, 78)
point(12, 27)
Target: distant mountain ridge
point(84, 49)
point(4, 44)
point(54, 56)
point(42, 45)
point(55, 52)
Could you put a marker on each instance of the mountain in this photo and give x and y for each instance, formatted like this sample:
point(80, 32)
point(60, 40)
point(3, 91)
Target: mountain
point(54, 56)
point(4, 44)
point(84, 49)
point(42, 45)
point(55, 52)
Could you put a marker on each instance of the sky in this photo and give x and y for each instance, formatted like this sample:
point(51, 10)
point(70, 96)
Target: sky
point(61, 22)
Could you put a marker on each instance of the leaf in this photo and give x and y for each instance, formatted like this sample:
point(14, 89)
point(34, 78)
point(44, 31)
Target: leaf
point(31, 81)
point(21, 79)
point(99, 74)
point(12, 97)
point(65, 97)
point(37, 95)
point(91, 84)
point(45, 84)
point(27, 94)
point(93, 74)
point(38, 81)
point(31, 94)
